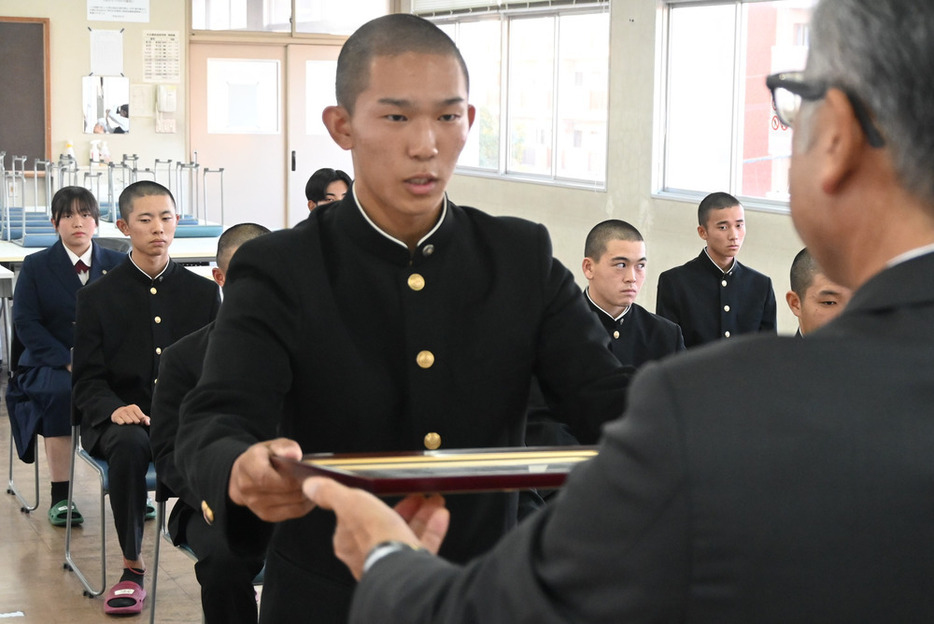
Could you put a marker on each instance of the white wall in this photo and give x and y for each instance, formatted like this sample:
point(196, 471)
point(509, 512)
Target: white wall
point(70, 61)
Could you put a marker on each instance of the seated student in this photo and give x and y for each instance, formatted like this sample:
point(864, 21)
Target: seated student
point(614, 265)
point(326, 186)
point(124, 321)
point(227, 594)
point(713, 296)
point(39, 394)
point(814, 298)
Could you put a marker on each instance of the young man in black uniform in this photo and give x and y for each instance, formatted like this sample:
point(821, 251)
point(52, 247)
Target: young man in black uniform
point(714, 296)
point(123, 322)
point(614, 265)
point(393, 320)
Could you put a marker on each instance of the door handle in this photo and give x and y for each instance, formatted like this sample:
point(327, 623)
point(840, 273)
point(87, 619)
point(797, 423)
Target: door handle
point(293, 160)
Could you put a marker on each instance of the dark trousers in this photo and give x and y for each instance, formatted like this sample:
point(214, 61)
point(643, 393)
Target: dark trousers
point(227, 594)
point(128, 453)
point(293, 594)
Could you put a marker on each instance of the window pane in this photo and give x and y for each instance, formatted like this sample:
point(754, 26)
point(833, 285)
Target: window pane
point(582, 96)
point(251, 15)
point(531, 91)
point(775, 40)
point(479, 43)
point(336, 17)
point(700, 97)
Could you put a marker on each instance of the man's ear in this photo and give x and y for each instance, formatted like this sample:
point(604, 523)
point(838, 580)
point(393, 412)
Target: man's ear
point(123, 227)
point(219, 276)
point(471, 115)
point(337, 120)
point(841, 140)
point(587, 267)
point(702, 232)
point(794, 302)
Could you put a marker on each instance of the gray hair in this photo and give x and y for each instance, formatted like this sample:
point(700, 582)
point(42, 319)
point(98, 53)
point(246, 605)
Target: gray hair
point(882, 52)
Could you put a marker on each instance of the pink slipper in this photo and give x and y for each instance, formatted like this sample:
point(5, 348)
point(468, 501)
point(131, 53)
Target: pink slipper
point(125, 590)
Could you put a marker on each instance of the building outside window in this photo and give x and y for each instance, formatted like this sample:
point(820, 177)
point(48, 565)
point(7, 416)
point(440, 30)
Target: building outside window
point(717, 125)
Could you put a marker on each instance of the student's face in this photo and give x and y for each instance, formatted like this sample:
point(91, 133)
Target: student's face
point(334, 192)
point(406, 133)
point(151, 225)
point(724, 233)
point(616, 278)
point(823, 301)
point(76, 230)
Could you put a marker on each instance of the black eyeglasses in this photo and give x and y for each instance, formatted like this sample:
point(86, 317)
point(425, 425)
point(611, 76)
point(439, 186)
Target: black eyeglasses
point(790, 89)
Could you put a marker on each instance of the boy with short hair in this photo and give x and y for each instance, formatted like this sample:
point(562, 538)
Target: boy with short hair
point(713, 296)
point(124, 321)
point(614, 265)
point(393, 320)
point(814, 298)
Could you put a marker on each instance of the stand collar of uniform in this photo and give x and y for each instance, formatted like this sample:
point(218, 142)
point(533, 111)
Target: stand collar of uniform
point(615, 319)
point(144, 273)
point(350, 219)
point(717, 266)
point(444, 210)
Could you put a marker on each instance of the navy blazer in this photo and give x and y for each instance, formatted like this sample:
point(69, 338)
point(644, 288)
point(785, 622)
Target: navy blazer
point(44, 302)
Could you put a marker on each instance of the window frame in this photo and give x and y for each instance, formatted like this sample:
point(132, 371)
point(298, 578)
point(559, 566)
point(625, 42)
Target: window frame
point(662, 104)
point(505, 15)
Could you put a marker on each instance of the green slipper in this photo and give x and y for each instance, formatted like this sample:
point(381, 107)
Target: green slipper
point(58, 514)
point(150, 509)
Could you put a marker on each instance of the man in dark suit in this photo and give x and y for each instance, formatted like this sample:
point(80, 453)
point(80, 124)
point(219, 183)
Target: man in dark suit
point(393, 320)
point(766, 479)
point(614, 265)
point(39, 393)
point(814, 298)
point(124, 321)
point(227, 595)
point(713, 296)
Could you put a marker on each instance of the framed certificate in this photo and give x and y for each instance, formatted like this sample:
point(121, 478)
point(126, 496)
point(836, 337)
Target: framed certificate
point(448, 471)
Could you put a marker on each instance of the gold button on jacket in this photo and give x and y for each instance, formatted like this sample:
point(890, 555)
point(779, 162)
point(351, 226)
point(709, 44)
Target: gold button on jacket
point(416, 282)
point(432, 441)
point(425, 359)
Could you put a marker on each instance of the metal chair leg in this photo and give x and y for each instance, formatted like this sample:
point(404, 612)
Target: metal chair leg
point(70, 564)
point(25, 507)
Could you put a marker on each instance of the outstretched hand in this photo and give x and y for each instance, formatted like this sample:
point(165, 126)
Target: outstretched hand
point(271, 494)
point(363, 521)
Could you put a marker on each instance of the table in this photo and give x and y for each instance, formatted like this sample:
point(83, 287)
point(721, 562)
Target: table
point(182, 250)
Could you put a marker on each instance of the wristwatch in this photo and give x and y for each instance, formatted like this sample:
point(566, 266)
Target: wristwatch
point(384, 549)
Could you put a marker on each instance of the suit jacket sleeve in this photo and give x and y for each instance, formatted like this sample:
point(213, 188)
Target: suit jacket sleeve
point(176, 379)
point(768, 312)
point(239, 398)
point(666, 303)
point(91, 393)
point(612, 548)
point(44, 348)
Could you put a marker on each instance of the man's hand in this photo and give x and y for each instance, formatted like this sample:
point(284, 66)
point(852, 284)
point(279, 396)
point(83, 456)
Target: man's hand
point(363, 521)
point(255, 483)
point(129, 415)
